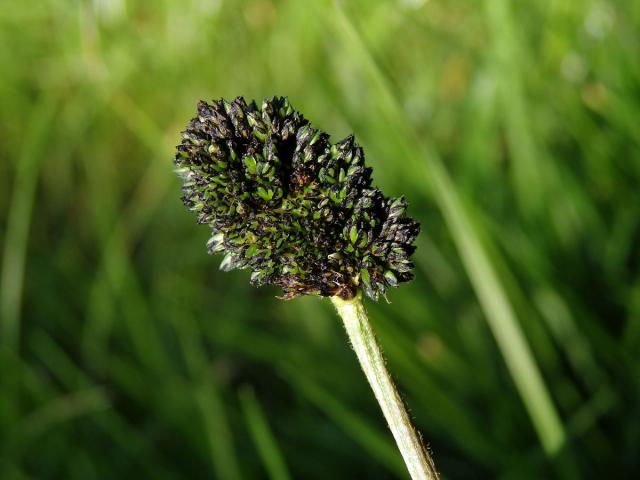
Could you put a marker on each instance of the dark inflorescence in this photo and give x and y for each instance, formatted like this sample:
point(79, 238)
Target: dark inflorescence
point(286, 203)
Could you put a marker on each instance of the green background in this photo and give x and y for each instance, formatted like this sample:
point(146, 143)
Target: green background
point(512, 127)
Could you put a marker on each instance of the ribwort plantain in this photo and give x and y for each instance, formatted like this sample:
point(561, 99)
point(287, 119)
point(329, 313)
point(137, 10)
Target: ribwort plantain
point(289, 205)
point(301, 213)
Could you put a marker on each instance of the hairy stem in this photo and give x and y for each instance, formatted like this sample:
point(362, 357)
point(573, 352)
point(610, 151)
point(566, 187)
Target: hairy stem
point(363, 341)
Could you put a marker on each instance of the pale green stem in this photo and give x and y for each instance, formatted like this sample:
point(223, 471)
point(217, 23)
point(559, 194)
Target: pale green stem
point(363, 341)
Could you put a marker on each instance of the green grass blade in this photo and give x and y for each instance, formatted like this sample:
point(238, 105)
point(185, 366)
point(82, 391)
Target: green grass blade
point(379, 446)
point(528, 163)
point(19, 219)
point(501, 317)
point(262, 435)
point(213, 410)
point(62, 409)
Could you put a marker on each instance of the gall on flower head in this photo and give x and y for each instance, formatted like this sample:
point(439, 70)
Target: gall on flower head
point(286, 203)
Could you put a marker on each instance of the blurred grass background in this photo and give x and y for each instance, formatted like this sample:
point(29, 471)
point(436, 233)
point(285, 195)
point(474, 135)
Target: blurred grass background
point(512, 128)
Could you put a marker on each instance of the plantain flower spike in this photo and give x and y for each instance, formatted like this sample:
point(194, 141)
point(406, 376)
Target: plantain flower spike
point(287, 204)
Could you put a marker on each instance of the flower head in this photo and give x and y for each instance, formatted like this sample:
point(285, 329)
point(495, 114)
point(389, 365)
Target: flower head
point(286, 203)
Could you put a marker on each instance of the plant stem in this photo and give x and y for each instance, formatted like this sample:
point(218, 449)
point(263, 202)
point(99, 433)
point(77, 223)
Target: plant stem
point(363, 341)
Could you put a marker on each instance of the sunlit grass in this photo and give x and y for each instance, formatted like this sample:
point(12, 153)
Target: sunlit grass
point(510, 128)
